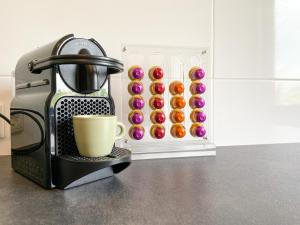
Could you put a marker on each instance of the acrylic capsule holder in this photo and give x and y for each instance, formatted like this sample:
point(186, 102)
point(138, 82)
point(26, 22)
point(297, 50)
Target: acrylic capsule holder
point(166, 101)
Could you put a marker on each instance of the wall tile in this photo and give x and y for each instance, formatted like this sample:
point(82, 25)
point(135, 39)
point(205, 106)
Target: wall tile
point(257, 39)
point(256, 112)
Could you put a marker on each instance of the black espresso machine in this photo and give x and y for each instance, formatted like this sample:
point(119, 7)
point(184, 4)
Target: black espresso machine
point(70, 76)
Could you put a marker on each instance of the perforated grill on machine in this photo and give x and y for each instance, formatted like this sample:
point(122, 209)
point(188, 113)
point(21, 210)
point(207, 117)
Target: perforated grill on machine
point(67, 107)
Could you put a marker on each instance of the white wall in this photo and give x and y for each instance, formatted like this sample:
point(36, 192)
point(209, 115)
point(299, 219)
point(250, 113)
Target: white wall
point(28, 24)
point(257, 71)
point(6, 84)
point(257, 67)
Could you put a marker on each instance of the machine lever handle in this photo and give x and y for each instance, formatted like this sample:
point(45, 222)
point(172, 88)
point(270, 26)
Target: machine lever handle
point(113, 65)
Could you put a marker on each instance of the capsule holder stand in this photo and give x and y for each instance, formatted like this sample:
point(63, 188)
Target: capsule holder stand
point(176, 63)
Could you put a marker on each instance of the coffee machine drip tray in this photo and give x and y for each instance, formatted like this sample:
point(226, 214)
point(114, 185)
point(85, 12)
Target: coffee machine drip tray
point(116, 154)
point(70, 170)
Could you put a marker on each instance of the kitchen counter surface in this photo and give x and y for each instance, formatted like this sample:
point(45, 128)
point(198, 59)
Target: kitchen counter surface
point(241, 185)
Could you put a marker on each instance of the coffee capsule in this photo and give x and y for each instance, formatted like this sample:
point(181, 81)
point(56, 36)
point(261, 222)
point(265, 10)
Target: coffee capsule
point(177, 116)
point(198, 115)
point(157, 87)
point(156, 73)
point(135, 73)
point(197, 130)
point(136, 102)
point(136, 117)
point(157, 116)
point(197, 88)
point(135, 87)
point(156, 102)
point(196, 73)
point(157, 131)
point(178, 130)
point(196, 102)
point(176, 88)
point(177, 102)
point(136, 132)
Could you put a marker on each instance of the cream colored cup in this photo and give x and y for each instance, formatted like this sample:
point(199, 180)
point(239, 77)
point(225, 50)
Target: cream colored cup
point(95, 134)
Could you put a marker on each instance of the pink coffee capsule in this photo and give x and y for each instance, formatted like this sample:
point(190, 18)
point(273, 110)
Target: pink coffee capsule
point(136, 132)
point(136, 102)
point(136, 73)
point(136, 117)
point(197, 130)
point(196, 102)
point(197, 88)
point(196, 73)
point(200, 131)
point(135, 88)
point(198, 115)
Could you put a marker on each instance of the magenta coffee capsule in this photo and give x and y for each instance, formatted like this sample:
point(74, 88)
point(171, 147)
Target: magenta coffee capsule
point(136, 102)
point(196, 102)
point(136, 117)
point(135, 88)
point(197, 130)
point(196, 73)
point(197, 88)
point(136, 132)
point(135, 73)
point(198, 115)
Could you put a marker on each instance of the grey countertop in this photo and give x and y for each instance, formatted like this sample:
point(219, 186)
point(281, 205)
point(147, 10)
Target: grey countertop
point(241, 185)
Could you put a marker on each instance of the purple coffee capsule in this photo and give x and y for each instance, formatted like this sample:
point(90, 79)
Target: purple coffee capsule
point(137, 73)
point(137, 103)
point(200, 131)
point(197, 102)
point(136, 117)
point(197, 88)
point(135, 88)
point(200, 88)
point(199, 73)
point(136, 132)
point(200, 117)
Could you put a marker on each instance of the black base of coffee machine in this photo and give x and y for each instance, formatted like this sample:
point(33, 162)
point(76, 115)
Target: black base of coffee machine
point(75, 170)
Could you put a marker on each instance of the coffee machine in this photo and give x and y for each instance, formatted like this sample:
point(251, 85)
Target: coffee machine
point(70, 76)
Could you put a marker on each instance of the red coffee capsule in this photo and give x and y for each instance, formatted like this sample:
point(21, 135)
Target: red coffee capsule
point(156, 73)
point(157, 116)
point(157, 131)
point(157, 87)
point(156, 102)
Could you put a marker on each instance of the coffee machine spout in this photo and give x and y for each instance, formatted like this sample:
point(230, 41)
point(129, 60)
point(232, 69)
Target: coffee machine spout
point(87, 76)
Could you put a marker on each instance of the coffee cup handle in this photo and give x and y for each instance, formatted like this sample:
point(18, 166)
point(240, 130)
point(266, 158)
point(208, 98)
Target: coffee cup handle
point(122, 130)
